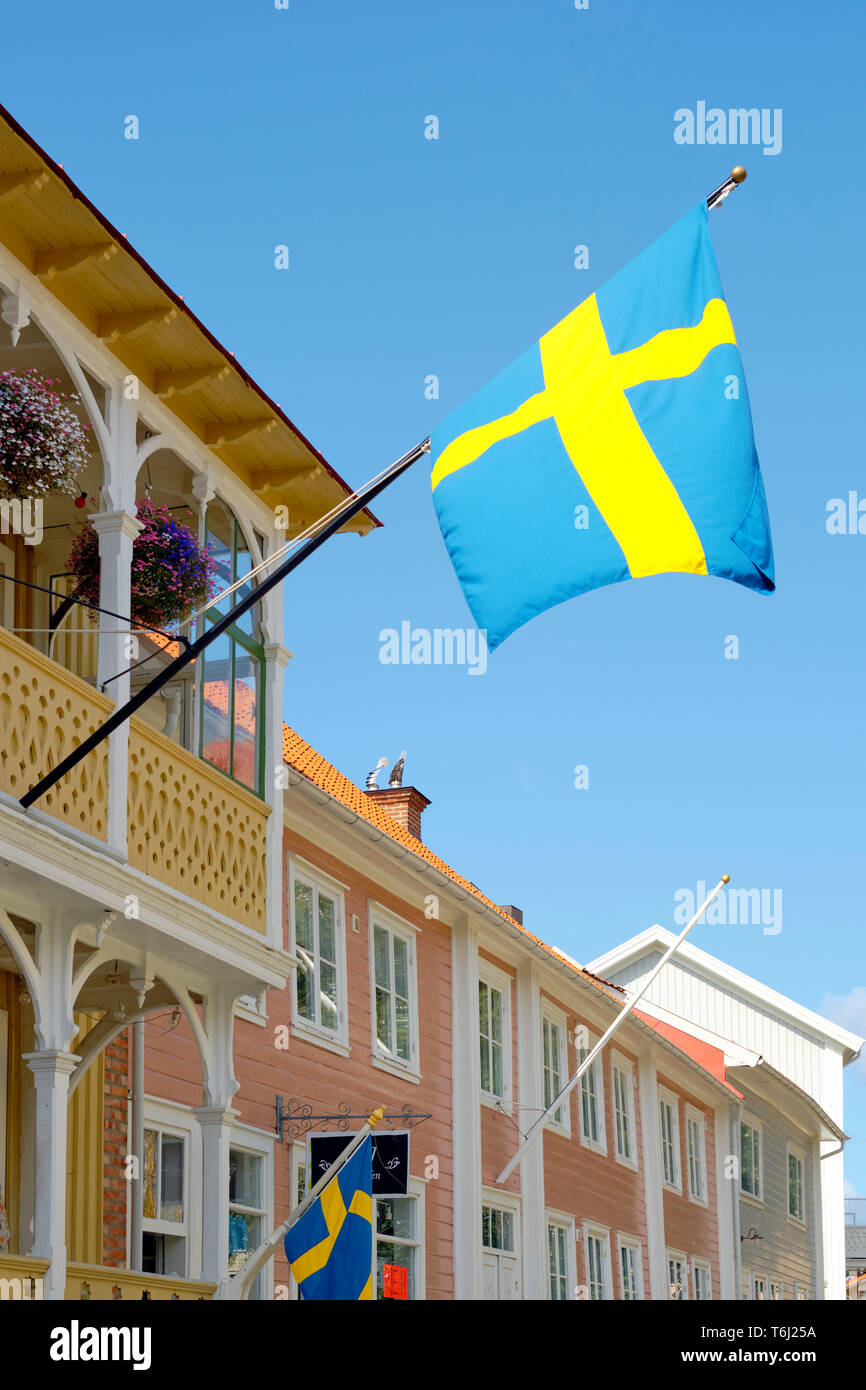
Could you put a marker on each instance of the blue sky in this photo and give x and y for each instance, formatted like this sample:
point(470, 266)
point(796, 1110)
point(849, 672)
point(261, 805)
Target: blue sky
point(411, 257)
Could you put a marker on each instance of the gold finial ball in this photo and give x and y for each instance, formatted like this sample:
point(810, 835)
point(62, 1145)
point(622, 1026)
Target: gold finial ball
point(738, 174)
point(726, 878)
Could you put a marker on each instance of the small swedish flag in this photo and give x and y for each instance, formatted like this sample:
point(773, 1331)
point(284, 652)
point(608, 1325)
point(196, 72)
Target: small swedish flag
point(330, 1249)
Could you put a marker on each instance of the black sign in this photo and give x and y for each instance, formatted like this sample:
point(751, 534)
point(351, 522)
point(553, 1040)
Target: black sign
point(390, 1160)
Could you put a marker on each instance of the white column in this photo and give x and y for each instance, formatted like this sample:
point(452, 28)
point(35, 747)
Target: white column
point(117, 531)
point(216, 1127)
point(276, 660)
point(466, 1111)
point(51, 1070)
point(655, 1217)
point(531, 1097)
point(727, 1201)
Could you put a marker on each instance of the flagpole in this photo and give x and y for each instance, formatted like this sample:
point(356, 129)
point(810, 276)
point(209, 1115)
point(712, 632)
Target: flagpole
point(354, 504)
point(536, 1129)
point(243, 1281)
point(734, 179)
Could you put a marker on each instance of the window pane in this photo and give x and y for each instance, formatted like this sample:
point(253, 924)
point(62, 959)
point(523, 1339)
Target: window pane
point(327, 928)
point(245, 1234)
point(149, 1176)
point(401, 1009)
point(171, 1179)
point(245, 1178)
point(383, 1019)
point(246, 704)
point(401, 967)
point(483, 1011)
point(507, 1230)
point(304, 915)
point(496, 1015)
point(498, 1084)
point(382, 957)
point(328, 996)
point(484, 1047)
point(485, 1226)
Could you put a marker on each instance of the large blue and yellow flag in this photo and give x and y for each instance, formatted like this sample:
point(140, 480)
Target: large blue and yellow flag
point(619, 446)
point(330, 1249)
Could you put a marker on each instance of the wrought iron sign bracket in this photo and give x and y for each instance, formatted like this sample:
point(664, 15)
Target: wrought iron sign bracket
point(295, 1118)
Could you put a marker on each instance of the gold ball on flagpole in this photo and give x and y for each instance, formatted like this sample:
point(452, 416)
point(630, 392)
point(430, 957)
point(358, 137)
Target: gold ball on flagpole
point(738, 174)
point(726, 878)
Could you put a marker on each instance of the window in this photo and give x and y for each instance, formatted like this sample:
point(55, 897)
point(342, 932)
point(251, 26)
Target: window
point(560, 1244)
point(318, 941)
point(494, 1033)
point(500, 1267)
point(796, 1192)
point(597, 1246)
point(696, 1146)
point(775, 1291)
point(395, 1026)
point(678, 1285)
point(630, 1269)
point(703, 1281)
point(750, 1160)
point(232, 689)
point(246, 1211)
point(554, 1063)
point(399, 1241)
point(164, 1216)
point(759, 1287)
point(591, 1101)
point(669, 1128)
point(623, 1109)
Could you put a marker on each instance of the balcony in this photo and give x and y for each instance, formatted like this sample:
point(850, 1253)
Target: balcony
point(188, 826)
point(103, 1284)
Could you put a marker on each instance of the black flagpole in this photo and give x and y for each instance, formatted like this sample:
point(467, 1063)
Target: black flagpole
point(350, 508)
point(345, 513)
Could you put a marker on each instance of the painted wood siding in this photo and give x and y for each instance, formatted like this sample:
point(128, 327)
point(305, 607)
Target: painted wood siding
point(710, 1004)
point(786, 1252)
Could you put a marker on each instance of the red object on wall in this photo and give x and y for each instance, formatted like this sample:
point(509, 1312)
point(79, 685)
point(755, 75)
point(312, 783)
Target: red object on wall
point(396, 1281)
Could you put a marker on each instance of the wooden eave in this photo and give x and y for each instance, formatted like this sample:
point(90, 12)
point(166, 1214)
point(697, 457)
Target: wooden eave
point(90, 267)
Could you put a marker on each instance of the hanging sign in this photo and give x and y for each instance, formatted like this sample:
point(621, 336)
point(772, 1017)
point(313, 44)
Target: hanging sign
point(390, 1160)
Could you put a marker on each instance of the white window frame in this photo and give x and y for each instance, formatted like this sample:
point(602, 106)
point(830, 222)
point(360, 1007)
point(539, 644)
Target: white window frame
point(504, 1201)
point(754, 1281)
point(621, 1064)
point(794, 1151)
point(706, 1268)
point(624, 1242)
point(494, 978)
point(671, 1099)
point(599, 1145)
point(755, 1125)
point(677, 1257)
point(254, 1141)
point(776, 1292)
point(601, 1233)
point(336, 1040)
point(555, 1018)
point(698, 1119)
point(382, 917)
point(179, 1121)
point(417, 1194)
point(562, 1222)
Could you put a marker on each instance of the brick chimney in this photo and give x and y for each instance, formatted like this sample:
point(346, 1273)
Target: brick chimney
point(515, 912)
point(405, 804)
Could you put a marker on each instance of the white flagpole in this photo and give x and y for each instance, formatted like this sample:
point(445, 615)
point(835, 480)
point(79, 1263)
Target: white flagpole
point(536, 1129)
point(243, 1281)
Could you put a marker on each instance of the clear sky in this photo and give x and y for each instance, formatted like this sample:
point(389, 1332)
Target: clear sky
point(412, 257)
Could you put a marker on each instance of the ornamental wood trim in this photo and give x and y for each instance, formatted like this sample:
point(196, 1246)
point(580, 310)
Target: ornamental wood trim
point(101, 1283)
point(46, 712)
point(192, 828)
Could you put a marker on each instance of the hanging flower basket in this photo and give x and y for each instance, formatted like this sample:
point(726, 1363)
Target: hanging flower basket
point(171, 573)
point(43, 444)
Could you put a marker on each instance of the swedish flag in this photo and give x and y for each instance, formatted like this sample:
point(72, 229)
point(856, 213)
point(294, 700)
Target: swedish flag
point(330, 1249)
point(619, 446)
